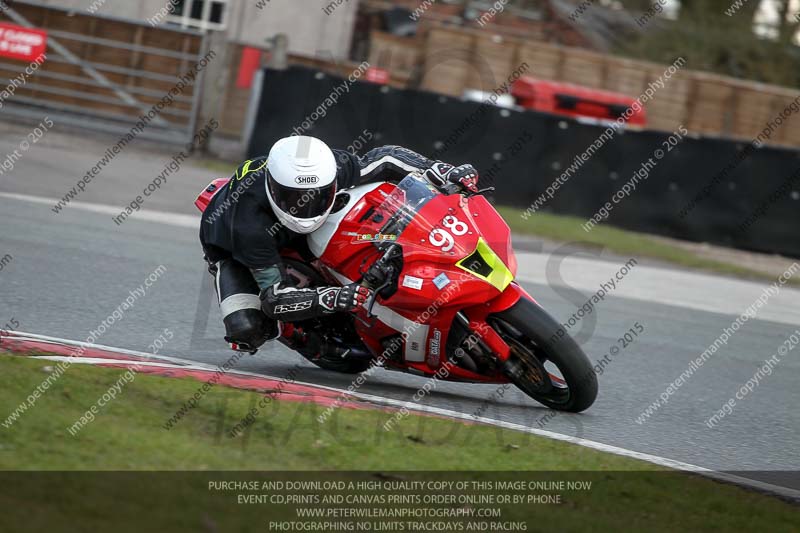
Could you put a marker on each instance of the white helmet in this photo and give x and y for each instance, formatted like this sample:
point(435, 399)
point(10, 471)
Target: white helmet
point(301, 182)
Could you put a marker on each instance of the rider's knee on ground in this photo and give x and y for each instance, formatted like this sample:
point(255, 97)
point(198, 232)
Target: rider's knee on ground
point(237, 290)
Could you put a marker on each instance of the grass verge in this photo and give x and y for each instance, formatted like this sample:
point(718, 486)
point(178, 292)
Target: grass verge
point(128, 435)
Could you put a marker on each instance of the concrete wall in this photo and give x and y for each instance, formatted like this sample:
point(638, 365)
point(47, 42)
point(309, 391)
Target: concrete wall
point(311, 32)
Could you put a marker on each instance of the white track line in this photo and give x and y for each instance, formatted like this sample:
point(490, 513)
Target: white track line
point(107, 361)
point(687, 289)
point(785, 492)
point(147, 215)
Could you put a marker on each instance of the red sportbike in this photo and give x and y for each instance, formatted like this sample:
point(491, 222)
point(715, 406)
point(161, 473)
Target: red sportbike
point(445, 301)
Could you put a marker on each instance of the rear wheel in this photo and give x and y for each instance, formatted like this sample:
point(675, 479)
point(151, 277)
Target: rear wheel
point(342, 365)
point(550, 369)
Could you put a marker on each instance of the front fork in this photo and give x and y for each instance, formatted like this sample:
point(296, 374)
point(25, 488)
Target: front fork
point(478, 319)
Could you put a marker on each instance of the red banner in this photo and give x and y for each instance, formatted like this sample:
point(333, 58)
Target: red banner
point(22, 43)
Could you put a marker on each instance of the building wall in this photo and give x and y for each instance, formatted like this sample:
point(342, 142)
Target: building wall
point(311, 31)
point(140, 10)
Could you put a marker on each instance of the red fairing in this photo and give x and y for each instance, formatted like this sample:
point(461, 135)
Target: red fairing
point(495, 230)
point(428, 252)
point(431, 287)
point(204, 198)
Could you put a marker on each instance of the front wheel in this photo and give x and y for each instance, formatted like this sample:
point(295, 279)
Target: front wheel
point(535, 349)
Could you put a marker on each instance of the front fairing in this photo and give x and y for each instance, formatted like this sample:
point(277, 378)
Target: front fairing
point(450, 243)
point(467, 234)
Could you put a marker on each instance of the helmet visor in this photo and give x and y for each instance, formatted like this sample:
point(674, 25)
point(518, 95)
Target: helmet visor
point(301, 203)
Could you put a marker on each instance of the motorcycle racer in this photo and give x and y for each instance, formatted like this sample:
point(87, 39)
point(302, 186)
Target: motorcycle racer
point(272, 203)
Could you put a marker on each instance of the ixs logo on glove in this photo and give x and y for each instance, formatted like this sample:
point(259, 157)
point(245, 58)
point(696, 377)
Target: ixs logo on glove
point(306, 180)
point(291, 308)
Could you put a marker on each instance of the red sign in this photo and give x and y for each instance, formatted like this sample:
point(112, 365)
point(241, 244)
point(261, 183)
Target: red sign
point(377, 75)
point(22, 43)
point(249, 64)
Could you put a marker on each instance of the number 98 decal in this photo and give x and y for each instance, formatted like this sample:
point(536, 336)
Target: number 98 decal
point(442, 238)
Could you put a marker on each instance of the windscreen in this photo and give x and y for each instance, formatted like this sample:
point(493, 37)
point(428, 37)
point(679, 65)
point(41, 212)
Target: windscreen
point(403, 204)
point(387, 220)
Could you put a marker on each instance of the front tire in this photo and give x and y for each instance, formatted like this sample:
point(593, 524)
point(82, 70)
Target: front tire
point(532, 334)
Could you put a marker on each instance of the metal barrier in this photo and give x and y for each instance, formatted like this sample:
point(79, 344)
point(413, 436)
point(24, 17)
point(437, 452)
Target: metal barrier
point(133, 74)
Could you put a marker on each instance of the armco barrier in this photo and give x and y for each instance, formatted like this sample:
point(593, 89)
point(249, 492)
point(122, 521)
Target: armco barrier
point(456, 131)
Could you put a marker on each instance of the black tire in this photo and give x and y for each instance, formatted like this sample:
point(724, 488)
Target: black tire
point(345, 366)
point(532, 332)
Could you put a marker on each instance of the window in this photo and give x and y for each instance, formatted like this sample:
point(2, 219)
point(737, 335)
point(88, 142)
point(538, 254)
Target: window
point(202, 14)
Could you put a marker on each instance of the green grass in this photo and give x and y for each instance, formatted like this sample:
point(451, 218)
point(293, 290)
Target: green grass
point(128, 435)
point(568, 229)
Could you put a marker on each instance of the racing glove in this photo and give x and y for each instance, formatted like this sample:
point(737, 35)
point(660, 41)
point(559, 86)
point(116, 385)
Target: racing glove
point(442, 174)
point(289, 304)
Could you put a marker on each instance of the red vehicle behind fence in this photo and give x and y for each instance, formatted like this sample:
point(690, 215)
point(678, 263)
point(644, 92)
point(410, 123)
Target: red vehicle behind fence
point(574, 100)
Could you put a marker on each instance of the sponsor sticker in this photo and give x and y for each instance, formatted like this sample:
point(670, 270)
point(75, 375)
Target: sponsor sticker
point(412, 283)
point(434, 348)
point(378, 237)
point(441, 281)
point(370, 237)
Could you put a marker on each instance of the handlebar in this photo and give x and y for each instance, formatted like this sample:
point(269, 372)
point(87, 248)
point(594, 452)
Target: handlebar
point(487, 189)
point(455, 188)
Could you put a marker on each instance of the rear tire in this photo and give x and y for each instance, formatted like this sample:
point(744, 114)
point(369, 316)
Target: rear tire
point(337, 364)
point(530, 330)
